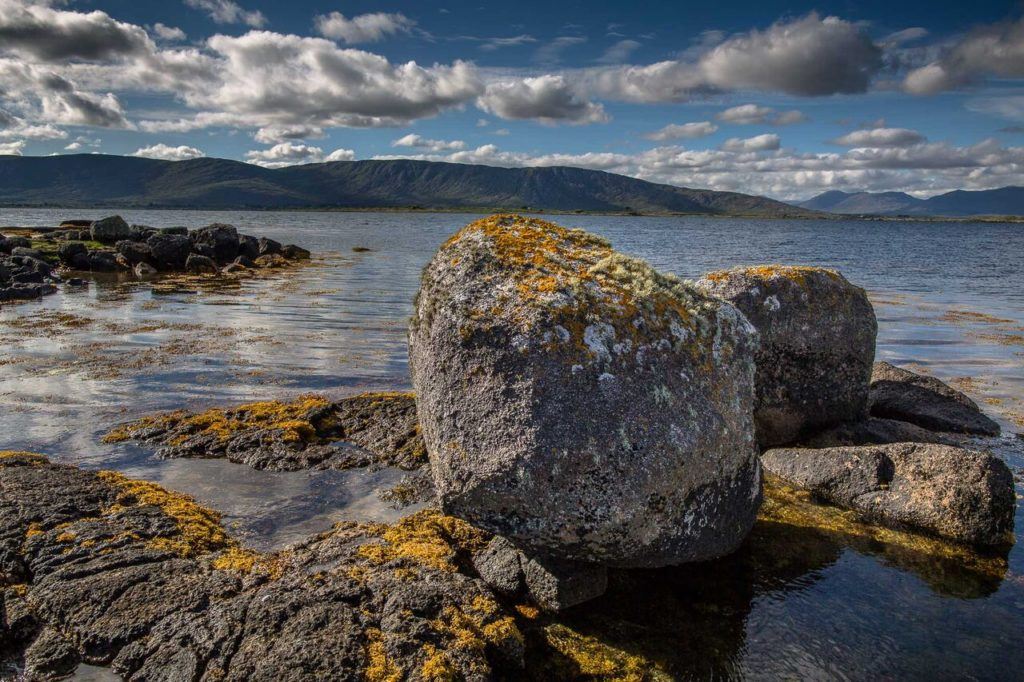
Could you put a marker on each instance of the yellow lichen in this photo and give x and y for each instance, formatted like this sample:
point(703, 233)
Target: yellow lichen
point(34, 457)
point(66, 537)
point(288, 417)
point(594, 658)
point(436, 666)
point(796, 273)
point(379, 666)
point(428, 538)
point(33, 530)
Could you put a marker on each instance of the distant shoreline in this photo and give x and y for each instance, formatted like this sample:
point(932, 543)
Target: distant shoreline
point(527, 211)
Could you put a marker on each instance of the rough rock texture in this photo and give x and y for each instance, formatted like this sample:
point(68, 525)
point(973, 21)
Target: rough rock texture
point(370, 429)
point(110, 230)
point(875, 431)
point(112, 571)
point(898, 393)
point(221, 239)
point(955, 493)
point(170, 251)
point(817, 345)
point(199, 265)
point(581, 404)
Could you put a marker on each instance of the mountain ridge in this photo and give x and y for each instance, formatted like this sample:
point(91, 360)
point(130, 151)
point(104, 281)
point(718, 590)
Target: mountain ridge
point(93, 180)
point(958, 203)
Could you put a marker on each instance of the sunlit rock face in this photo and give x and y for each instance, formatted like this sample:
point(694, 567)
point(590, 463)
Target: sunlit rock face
point(817, 345)
point(581, 404)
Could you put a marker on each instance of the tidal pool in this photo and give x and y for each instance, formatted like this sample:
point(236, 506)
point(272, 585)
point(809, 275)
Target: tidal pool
point(831, 601)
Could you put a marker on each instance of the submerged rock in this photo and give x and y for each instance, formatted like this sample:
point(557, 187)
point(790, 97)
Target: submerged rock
point(370, 429)
point(955, 493)
point(580, 403)
point(898, 393)
point(124, 573)
point(817, 345)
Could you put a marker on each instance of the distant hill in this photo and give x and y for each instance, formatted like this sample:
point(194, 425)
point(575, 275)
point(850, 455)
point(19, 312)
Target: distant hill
point(960, 203)
point(84, 180)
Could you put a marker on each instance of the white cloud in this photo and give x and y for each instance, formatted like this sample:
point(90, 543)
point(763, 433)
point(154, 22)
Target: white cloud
point(12, 148)
point(168, 32)
point(291, 154)
point(281, 133)
point(881, 137)
point(749, 114)
point(548, 99)
point(365, 28)
point(229, 12)
point(168, 153)
point(551, 53)
point(14, 126)
point(419, 142)
point(619, 52)
point(684, 131)
point(492, 44)
point(992, 50)
point(49, 34)
point(73, 147)
point(758, 143)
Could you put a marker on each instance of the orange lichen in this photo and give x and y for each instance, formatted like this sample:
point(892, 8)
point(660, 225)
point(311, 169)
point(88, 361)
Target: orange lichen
point(428, 538)
point(796, 273)
point(436, 666)
point(379, 666)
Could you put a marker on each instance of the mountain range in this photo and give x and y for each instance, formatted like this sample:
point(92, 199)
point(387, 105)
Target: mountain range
point(95, 180)
point(959, 203)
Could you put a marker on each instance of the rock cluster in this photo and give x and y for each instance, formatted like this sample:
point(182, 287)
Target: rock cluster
point(581, 404)
point(24, 272)
point(817, 345)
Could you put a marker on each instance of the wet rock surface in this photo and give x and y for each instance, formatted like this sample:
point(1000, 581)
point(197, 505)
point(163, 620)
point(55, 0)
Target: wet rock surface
point(581, 404)
point(103, 569)
point(817, 344)
point(898, 393)
point(370, 429)
point(959, 494)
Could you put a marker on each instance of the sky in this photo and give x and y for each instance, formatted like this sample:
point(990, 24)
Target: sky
point(775, 98)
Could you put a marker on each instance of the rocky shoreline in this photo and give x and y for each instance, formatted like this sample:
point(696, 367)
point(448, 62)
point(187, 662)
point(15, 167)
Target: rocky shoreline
point(819, 446)
point(33, 261)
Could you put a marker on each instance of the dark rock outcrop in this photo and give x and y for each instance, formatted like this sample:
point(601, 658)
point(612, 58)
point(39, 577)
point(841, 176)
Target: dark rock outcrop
point(897, 393)
point(200, 265)
point(170, 251)
point(817, 345)
point(958, 494)
point(110, 230)
point(581, 404)
point(221, 240)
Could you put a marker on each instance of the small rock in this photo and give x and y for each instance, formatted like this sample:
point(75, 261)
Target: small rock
point(269, 247)
point(245, 261)
point(79, 223)
point(361, 249)
point(248, 246)
point(23, 252)
point(817, 345)
point(897, 393)
point(110, 230)
point(134, 252)
point(178, 230)
point(198, 265)
point(292, 252)
point(69, 253)
point(103, 261)
point(141, 233)
point(274, 260)
point(233, 267)
point(959, 494)
point(144, 269)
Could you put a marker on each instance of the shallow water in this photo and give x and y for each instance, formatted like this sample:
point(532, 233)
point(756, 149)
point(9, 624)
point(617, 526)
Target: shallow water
point(793, 604)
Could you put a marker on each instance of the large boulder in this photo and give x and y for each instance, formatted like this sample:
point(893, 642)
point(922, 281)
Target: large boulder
point(134, 252)
point(170, 251)
point(220, 239)
point(817, 345)
point(581, 404)
point(110, 230)
point(948, 491)
point(898, 393)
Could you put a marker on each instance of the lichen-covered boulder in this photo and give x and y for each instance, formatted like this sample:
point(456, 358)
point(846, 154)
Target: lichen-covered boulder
point(955, 493)
point(817, 345)
point(581, 404)
point(898, 393)
point(110, 230)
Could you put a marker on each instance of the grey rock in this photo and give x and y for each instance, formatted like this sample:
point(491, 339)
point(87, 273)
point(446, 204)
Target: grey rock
point(955, 493)
point(500, 566)
point(70, 253)
point(103, 261)
point(110, 230)
point(269, 247)
point(50, 656)
point(23, 252)
point(220, 238)
point(292, 252)
point(245, 261)
point(10, 243)
point(170, 251)
point(144, 269)
point(876, 431)
point(141, 233)
point(231, 268)
point(817, 345)
point(248, 247)
point(178, 230)
point(898, 393)
point(135, 252)
point(581, 404)
point(198, 265)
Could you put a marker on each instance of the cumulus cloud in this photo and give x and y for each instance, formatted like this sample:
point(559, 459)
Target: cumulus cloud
point(168, 153)
point(14, 126)
point(12, 148)
point(365, 28)
point(229, 12)
point(548, 99)
point(168, 32)
point(993, 50)
point(758, 143)
point(881, 137)
point(291, 154)
point(50, 34)
point(749, 114)
point(282, 133)
point(420, 142)
point(685, 131)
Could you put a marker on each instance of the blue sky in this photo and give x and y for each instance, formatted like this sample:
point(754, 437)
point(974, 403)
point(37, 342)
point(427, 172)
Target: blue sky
point(773, 98)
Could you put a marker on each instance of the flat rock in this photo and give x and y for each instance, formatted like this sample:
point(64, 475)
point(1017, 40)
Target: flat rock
point(955, 493)
point(898, 393)
point(581, 404)
point(877, 431)
point(817, 345)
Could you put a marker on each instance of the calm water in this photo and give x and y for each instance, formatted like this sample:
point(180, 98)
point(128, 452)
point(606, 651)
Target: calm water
point(948, 297)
